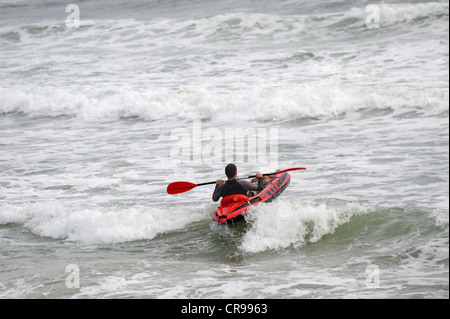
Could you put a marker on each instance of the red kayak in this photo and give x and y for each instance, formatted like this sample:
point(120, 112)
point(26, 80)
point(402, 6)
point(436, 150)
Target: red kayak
point(233, 207)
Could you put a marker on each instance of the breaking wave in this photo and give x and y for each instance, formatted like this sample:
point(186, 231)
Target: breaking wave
point(265, 104)
point(296, 223)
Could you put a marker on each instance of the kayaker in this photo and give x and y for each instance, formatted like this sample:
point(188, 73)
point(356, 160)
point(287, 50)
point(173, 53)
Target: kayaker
point(233, 186)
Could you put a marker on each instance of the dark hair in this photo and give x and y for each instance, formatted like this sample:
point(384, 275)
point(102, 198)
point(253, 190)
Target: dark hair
point(230, 170)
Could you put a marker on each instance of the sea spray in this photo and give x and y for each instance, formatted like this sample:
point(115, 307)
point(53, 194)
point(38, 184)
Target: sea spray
point(321, 99)
point(287, 223)
point(97, 225)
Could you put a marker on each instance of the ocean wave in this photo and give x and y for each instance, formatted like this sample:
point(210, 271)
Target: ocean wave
point(296, 224)
point(264, 66)
point(394, 13)
point(97, 225)
point(258, 103)
point(400, 13)
point(241, 23)
point(232, 28)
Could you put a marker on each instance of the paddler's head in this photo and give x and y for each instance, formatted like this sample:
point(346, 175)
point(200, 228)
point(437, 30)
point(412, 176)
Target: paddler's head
point(231, 171)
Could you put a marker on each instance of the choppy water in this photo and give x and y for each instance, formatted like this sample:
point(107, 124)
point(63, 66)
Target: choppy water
point(88, 117)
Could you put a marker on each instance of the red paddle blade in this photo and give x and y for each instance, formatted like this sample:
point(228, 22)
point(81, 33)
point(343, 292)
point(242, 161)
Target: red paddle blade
point(292, 169)
point(179, 187)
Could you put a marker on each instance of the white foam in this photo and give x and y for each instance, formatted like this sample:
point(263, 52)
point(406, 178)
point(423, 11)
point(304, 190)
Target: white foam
point(10, 214)
point(400, 13)
point(293, 223)
point(98, 225)
point(249, 64)
point(259, 103)
point(441, 217)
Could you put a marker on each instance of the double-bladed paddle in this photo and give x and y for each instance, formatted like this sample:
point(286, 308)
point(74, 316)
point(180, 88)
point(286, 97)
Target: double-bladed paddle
point(181, 187)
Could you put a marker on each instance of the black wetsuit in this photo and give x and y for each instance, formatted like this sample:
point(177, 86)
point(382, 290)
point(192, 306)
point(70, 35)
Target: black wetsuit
point(236, 187)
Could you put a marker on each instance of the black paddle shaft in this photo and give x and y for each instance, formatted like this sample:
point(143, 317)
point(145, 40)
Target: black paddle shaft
point(209, 183)
point(253, 176)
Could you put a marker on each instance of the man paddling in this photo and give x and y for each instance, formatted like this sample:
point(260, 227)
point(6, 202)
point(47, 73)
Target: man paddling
point(233, 186)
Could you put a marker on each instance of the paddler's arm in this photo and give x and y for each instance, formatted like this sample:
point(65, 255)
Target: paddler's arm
point(217, 190)
point(260, 178)
point(252, 187)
